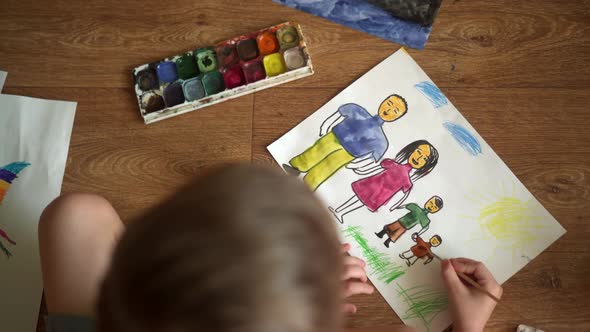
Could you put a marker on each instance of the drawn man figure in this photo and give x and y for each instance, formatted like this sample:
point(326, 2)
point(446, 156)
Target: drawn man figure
point(349, 136)
point(417, 215)
point(420, 250)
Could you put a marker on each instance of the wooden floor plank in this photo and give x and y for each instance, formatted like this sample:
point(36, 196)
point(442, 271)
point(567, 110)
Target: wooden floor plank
point(543, 43)
point(113, 153)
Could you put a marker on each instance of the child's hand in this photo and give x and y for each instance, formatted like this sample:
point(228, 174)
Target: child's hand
point(470, 308)
point(355, 279)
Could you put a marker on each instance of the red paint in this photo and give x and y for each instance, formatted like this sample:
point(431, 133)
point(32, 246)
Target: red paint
point(254, 71)
point(226, 54)
point(233, 77)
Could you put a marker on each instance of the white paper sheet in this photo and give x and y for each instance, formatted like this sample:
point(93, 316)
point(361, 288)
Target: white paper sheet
point(487, 213)
point(3, 75)
point(35, 137)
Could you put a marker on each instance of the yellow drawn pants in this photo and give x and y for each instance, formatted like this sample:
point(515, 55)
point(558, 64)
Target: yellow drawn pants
point(321, 160)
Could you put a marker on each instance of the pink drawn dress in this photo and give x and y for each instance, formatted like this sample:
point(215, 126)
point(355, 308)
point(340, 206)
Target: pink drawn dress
point(376, 191)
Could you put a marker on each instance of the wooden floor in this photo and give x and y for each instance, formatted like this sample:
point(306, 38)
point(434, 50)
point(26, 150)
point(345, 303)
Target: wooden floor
point(519, 71)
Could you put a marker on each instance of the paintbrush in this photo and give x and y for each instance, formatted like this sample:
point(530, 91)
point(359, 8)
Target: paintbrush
point(470, 281)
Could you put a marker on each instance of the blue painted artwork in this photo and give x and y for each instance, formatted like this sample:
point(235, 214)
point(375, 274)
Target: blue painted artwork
point(465, 139)
point(433, 93)
point(360, 15)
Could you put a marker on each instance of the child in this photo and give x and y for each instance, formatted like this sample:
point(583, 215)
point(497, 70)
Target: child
point(413, 162)
point(224, 254)
point(420, 250)
point(417, 215)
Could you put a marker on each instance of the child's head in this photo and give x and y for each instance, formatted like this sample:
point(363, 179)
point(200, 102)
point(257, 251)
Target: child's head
point(393, 108)
point(435, 241)
point(421, 155)
point(434, 204)
point(243, 249)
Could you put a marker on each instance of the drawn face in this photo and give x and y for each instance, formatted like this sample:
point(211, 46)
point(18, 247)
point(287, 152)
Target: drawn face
point(434, 241)
point(392, 108)
point(419, 156)
point(431, 205)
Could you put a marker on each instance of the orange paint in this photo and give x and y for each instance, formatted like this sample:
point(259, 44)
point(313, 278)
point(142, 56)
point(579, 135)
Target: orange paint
point(267, 43)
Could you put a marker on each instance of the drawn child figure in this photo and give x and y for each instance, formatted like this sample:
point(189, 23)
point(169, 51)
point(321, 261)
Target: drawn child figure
point(392, 176)
point(417, 215)
point(420, 250)
point(349, 136)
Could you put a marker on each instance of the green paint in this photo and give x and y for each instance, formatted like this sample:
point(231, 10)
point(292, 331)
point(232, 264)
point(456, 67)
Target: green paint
point(206, 59)
point(186, 67)
point(213, 83)
point(382, 267)
point(423, 303)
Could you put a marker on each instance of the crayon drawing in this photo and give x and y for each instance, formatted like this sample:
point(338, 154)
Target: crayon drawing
point(464, 138)
point(363, 16)
point(433, 93)
point(351, 135)
point(385, 269)
point(389, 197)
point(8, 173)
point(423, 303)
point(507, 221)
point(392, 176)
point(417, 215)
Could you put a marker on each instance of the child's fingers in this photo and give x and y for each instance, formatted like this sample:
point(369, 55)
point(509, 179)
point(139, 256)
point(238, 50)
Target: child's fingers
point(349, 308)
point(355, 288)
point(345, 248)
point(475, 268)
point(352, 260)
point(450, 277)
point(354, 272)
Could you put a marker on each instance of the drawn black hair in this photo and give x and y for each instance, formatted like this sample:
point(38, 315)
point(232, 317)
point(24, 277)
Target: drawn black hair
point(402, 99)
point(438, 201)
point(431, 161)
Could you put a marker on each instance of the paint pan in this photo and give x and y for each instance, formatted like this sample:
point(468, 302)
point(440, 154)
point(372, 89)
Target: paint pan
point(212, 74)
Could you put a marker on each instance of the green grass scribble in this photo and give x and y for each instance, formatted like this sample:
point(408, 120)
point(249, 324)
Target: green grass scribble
point(385, 269)
point(423, 303)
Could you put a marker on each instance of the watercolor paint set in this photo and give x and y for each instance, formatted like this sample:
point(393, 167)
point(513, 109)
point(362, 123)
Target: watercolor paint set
point(210, 75)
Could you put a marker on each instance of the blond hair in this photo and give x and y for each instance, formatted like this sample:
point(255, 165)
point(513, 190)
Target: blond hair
point(242, 249)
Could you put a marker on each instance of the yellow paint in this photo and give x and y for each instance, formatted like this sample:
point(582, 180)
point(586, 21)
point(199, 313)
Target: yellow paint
point(4, 185)
point(392, 108)
point(418, 158)
point(431, 206)
point(434, 241)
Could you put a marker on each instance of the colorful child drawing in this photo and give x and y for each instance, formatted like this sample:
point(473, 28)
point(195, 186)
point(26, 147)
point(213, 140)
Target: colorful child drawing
point(411, 164)
point(417, 215)
point(7, 174)
point(351, 134)
point(420, 250)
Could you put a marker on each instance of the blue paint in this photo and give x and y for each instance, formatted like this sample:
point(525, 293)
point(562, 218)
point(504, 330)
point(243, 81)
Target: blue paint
point(167, 71)
point(465, 139)
point(360, 15)
point(433, 93)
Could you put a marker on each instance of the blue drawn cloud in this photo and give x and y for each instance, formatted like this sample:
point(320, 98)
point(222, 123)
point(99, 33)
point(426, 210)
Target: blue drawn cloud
point(465, 139)
point(433, 93)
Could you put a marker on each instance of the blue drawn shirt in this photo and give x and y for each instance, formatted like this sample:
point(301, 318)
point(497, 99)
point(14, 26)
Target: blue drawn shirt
point(360, 133)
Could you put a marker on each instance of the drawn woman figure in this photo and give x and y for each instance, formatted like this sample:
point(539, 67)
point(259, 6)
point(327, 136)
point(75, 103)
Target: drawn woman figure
point(392, 176)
